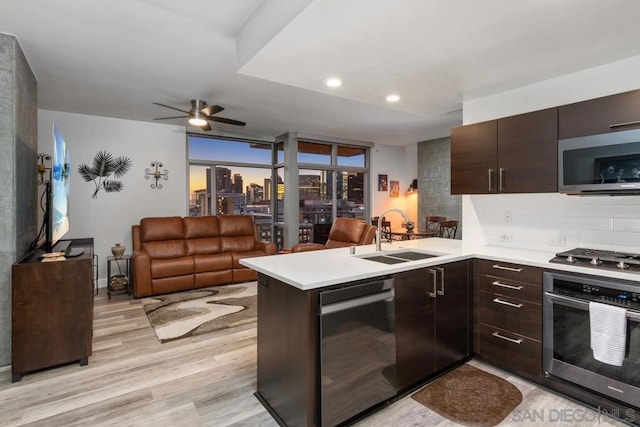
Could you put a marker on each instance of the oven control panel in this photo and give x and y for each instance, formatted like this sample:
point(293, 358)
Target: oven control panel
point(621, 298)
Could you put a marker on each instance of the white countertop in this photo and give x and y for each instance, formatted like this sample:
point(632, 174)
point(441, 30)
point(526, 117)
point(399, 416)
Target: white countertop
point(316, 269)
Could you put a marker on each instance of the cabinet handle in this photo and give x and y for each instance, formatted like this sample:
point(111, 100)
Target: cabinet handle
point(435, 279)
point(619, 125)
point(510, 304)
point(499, 267)
point(500, 179)
point(490, 180)
point(504, 285)
point(497, 335)
point(441, 270)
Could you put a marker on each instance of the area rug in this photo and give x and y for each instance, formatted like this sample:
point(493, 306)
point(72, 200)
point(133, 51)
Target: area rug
point(184, 314)
point(470, 396)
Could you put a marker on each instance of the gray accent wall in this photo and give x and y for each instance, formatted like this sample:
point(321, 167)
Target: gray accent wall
point(18, 177)
point(434, 182)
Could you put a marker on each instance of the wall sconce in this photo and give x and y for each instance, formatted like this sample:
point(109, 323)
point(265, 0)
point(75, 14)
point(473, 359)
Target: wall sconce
point(413, 187)
point(148, 173)
point(42, 168)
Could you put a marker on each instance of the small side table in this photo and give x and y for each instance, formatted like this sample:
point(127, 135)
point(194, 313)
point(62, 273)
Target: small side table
point(122, 280)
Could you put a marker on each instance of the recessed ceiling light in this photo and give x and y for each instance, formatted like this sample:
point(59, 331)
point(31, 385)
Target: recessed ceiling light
point(333, 82)
point(393, 98)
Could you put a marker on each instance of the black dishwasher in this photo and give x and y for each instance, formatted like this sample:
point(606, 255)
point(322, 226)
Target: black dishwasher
point(358, 348)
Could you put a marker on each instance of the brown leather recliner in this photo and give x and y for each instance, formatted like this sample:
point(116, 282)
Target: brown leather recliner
point(344, 232)
point(175, 254)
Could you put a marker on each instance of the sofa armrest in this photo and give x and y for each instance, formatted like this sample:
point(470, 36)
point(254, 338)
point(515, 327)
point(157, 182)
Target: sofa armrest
point(306, 247)
point(267, 247)
point(141, 272)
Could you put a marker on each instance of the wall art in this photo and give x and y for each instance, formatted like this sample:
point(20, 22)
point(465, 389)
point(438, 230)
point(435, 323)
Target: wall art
point(103, 167)
point(382, 183)
point(394, 189)
point(156, 174)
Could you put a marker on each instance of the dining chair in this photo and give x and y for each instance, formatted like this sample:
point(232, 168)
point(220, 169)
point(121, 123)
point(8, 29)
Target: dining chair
point(434, 223)
point(385, 227)
point(449, 229)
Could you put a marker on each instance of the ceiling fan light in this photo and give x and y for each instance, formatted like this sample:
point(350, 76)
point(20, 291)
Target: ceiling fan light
point(195, 117)
point(197, 121)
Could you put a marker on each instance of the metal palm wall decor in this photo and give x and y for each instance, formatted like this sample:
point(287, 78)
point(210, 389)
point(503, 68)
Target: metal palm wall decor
point(104, 165)
point(156, 174)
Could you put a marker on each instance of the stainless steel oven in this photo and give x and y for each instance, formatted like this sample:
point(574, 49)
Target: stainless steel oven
point(567, 350)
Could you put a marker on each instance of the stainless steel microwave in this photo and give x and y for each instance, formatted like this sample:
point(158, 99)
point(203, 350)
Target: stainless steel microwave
point(600, 164)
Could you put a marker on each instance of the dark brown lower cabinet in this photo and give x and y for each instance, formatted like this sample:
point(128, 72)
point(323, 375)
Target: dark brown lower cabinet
point(431, 334)
point(432, 320)
point(52, 312)
point(509, 317)
point(287, 351)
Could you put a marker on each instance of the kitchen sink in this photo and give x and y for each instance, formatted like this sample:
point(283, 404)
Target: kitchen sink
point(384, 259)
point(398, 257)
point(412, 255)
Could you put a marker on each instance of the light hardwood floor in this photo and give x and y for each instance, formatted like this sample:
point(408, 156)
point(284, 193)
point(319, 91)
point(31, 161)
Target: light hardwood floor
point(208, 380)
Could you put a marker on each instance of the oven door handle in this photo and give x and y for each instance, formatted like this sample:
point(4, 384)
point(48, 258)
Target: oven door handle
point(584, 305)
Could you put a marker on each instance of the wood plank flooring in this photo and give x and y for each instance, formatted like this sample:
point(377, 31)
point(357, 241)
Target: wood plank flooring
point(208, 380)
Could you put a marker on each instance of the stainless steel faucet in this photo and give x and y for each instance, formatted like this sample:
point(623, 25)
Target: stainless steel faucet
point(378, 234)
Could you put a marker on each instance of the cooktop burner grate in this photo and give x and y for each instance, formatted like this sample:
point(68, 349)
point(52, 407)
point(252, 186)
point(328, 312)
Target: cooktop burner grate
point(598, 258)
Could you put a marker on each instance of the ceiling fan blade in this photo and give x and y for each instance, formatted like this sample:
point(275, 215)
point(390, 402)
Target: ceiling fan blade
point(168, 106)
point(173, 117)
point(228, 121)
point(206, 127)
point(211, 109)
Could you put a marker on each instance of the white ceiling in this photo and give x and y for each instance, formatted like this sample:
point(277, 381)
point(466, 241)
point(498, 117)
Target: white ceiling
point(265, 61)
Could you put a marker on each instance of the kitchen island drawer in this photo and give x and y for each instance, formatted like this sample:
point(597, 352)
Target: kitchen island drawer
point(505, 270)
point(511, 288)
point(519, 316)
point(509, 351)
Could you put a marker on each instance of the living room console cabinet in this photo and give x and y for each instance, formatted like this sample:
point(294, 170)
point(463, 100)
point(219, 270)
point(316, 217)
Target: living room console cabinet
point(509, 321)
point(601, 115)
point(516, 154)
point(52, 311)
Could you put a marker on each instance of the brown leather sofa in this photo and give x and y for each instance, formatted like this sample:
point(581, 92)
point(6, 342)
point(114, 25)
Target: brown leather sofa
point(344, 232)
point(175, 254)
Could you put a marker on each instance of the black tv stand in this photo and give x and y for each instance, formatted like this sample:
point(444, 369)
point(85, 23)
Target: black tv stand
point(74, 252)
point(62, 246)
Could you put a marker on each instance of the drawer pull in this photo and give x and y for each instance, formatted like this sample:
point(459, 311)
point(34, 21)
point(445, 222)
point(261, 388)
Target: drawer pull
point(499, 267)
point(497, 335)
point(619, 125)
point(504, 285)
point(510, 304)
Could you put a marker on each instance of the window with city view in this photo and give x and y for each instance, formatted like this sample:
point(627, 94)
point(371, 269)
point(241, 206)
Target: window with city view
point(331, 182)
point(237, 172)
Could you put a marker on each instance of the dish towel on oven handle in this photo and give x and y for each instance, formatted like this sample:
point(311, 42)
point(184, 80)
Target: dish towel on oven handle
point(608, 332)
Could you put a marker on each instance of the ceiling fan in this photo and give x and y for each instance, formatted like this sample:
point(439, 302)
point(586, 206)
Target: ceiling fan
point(200, 114)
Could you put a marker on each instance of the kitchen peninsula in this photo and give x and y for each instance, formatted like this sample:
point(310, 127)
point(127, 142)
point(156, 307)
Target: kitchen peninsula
point(424, 321)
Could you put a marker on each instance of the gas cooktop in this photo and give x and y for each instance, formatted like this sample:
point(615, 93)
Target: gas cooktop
point(598, 258)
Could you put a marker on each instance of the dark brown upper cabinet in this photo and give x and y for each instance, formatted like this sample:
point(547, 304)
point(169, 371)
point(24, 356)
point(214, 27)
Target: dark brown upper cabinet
point(516, 154)
point(601, 115)
point(474, 151)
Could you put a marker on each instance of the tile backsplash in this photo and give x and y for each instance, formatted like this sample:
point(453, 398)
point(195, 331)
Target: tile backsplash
point(553, 222)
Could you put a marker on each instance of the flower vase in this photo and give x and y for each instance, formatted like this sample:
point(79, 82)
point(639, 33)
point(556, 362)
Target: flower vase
point(117, 250)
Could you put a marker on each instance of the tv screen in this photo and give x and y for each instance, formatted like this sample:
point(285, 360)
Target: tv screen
point(58, 224)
